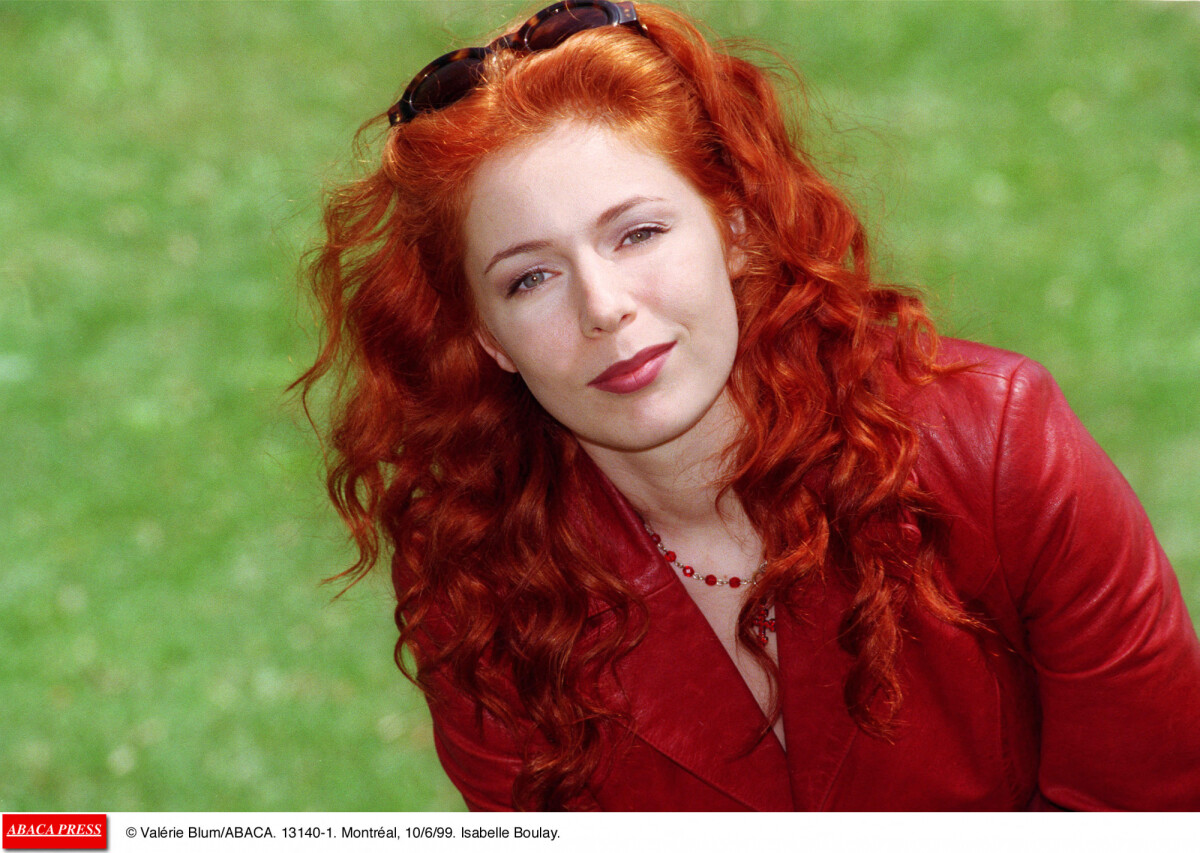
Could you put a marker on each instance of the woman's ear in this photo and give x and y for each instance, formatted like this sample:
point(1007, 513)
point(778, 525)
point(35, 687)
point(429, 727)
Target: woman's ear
point(492, 347)
point(735, 255)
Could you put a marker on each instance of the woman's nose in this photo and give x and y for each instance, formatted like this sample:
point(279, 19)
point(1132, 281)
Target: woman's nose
point(606, 303)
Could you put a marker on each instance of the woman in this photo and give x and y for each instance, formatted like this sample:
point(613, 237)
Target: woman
point(687, 512)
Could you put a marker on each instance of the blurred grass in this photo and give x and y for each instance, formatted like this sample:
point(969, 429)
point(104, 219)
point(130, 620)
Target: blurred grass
point(1034, 166)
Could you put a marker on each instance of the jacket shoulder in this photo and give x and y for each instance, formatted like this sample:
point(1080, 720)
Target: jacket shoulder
point(982, 381)
point(971, 424)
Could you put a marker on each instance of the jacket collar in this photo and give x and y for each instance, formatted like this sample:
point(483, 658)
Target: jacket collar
point(680, 665)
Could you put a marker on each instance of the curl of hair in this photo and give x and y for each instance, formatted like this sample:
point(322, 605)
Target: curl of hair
point(449, 462)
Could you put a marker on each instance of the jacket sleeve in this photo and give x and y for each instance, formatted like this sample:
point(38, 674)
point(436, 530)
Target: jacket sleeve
point(1116, 655)
point(478, 753)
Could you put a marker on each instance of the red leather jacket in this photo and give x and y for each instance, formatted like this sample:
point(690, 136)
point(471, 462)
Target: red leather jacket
point(1086, 695)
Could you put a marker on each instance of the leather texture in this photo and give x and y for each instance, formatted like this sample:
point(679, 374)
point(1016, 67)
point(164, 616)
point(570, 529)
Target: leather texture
point(1085, 693)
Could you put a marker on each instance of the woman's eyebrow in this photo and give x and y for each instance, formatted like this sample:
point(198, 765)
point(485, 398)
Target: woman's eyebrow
point(519, 248)
point(602, 220)
point(616, 210)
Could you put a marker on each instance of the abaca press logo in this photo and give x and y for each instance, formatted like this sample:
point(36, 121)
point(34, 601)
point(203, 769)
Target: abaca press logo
point(55, 831)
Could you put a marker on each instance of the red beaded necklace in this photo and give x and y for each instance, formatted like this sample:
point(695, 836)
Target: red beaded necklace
point(763, 621)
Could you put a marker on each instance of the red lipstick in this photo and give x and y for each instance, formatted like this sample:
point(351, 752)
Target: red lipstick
point(633, 374)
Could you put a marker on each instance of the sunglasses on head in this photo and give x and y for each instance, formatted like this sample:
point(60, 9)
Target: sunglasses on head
point(449, 78)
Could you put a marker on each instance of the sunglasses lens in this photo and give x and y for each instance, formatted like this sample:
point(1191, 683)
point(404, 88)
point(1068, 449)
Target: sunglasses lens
point(551, 31)
point(447, 84)
point(457, 73)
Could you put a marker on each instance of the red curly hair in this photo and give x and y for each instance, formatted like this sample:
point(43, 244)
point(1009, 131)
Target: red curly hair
point(444, 460)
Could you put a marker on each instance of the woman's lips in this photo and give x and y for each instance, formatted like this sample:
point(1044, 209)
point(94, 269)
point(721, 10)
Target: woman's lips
point(635, 373)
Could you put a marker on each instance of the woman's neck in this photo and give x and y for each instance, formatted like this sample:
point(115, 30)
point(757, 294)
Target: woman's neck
point(675, 486)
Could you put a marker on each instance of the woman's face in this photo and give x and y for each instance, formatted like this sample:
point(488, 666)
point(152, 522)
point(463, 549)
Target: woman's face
point(601, 277)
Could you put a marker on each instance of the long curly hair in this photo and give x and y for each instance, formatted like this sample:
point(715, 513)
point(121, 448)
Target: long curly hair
point(446, 462)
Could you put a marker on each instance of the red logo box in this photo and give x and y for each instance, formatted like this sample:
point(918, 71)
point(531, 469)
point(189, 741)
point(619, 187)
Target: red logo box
point(55, 831)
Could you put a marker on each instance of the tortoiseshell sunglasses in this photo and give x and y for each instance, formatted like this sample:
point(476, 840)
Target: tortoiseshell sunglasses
point(449, 78)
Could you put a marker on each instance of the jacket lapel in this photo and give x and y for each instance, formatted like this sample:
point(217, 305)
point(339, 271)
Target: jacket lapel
point(687, 699)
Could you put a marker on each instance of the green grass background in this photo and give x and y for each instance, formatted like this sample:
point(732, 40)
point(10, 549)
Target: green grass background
point(164, 642)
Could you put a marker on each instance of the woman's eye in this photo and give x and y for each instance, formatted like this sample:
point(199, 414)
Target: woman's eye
point(528, 281)
point(641, 235)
